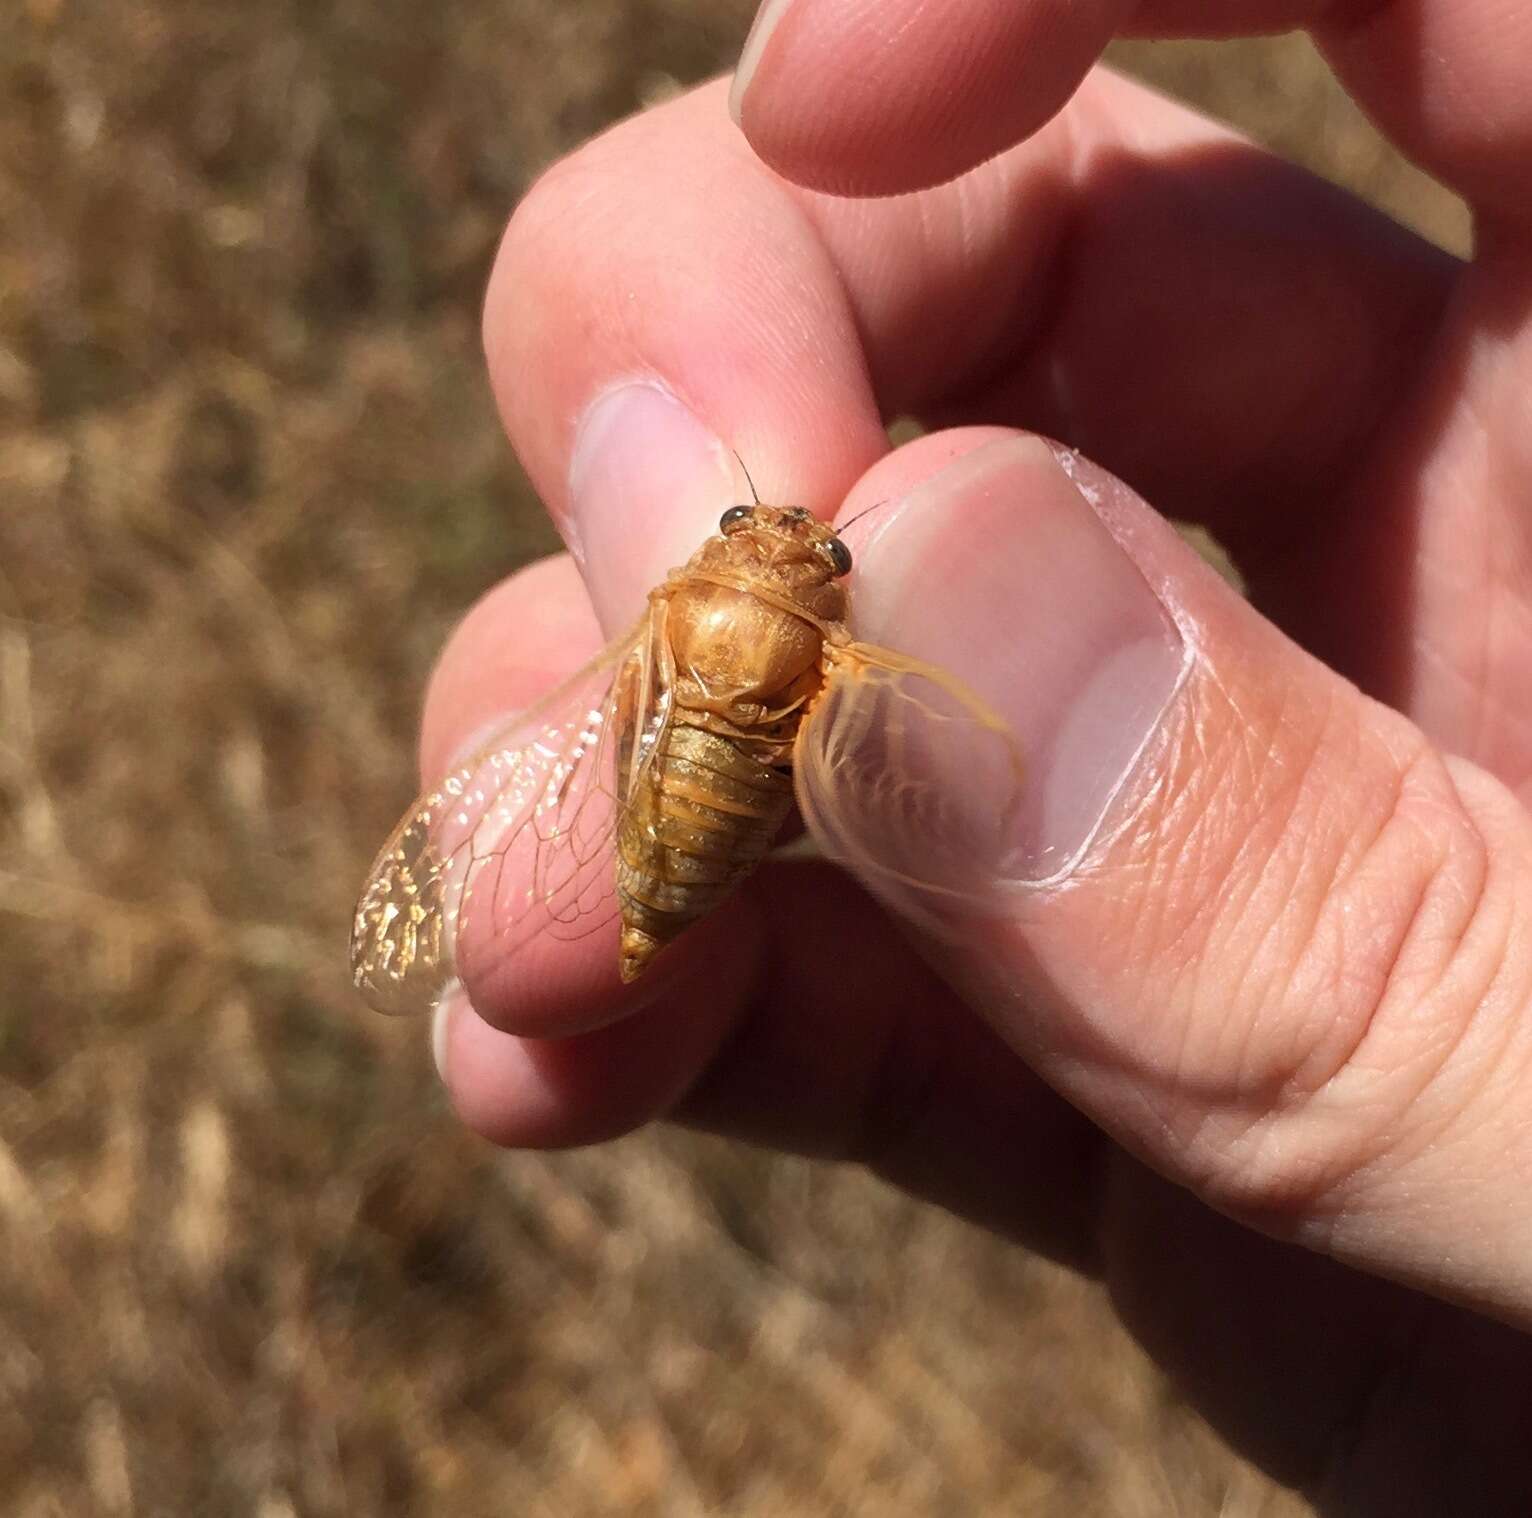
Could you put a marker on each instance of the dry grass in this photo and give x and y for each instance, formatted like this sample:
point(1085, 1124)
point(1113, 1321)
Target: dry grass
point(248, 476)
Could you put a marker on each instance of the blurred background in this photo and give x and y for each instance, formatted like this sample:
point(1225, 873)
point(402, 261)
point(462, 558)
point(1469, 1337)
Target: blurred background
point(249, 476)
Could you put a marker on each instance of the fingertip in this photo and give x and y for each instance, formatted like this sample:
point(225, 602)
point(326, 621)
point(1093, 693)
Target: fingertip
point(887, 99)
point(496, 1087)
point(592, 1086)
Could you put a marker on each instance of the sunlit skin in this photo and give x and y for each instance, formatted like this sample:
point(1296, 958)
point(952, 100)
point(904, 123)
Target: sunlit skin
point(1269, 1048)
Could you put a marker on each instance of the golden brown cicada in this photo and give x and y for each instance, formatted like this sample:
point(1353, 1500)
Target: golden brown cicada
point(639, 793)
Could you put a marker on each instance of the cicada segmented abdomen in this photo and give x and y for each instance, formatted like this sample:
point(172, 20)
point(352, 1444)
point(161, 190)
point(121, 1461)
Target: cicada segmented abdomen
point(705, 815)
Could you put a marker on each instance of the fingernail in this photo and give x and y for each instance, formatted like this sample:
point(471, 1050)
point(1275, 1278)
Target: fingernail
point(447, 1009)
point(647, 483)
point(999, 570)
point(766, 20)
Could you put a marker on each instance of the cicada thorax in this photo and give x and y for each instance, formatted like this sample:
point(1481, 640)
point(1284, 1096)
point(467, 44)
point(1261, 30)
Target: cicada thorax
point(743, 633)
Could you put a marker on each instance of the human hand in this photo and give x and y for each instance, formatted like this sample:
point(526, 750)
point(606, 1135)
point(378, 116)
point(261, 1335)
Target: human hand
point(1277, 940)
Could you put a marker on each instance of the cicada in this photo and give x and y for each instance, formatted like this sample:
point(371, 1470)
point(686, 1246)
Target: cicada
point(638, 794)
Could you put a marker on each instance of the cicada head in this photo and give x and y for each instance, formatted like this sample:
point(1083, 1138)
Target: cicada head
point(783, 549)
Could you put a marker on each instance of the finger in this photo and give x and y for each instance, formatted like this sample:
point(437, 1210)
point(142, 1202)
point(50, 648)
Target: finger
point(679, 316)
point(1446, 80)
point(895, 97)
point(954, 84)
point(784, 1038)
point(582, 1087)
point(662, 301)
point(1250, 920)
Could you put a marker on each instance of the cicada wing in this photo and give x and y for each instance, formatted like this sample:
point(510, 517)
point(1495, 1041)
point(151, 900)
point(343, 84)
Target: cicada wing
point(515, 844)
point(908, 779)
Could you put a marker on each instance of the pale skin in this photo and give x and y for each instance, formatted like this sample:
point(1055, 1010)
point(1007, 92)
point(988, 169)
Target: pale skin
point(1311, 1039)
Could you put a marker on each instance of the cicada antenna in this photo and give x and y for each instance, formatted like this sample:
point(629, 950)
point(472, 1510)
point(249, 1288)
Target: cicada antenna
point(751, 483)
point(886, 501)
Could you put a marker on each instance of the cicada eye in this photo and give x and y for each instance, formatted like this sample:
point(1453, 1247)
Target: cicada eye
point(840, 557)
point(734, 516)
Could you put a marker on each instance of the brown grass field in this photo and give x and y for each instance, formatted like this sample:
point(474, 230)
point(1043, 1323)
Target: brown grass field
point(249, 475)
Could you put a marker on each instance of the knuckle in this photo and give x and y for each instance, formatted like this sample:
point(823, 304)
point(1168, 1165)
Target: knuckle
point(579, 207)
point(1403, 926)
point(563, 229)
point(1395, 998)
point(1333, 956)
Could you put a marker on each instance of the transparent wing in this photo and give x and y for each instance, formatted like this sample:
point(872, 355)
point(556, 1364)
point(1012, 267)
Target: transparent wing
point(907, 778)
point(517, 843)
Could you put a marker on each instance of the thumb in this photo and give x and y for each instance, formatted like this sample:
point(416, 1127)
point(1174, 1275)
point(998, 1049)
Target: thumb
point(1246, 917)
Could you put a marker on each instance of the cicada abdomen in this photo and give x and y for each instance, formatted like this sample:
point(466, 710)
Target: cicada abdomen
point(740, 636)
